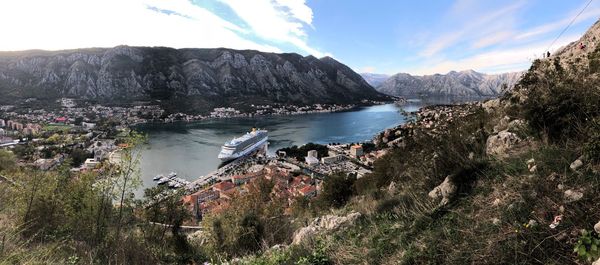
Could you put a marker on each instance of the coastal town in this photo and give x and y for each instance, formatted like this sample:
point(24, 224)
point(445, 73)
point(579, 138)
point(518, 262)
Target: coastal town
point(88, 135)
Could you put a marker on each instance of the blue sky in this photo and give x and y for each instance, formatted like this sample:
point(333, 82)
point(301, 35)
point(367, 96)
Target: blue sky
point(418, 37)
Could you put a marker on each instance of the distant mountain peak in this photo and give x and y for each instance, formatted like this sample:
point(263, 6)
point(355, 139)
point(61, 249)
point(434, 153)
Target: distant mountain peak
point(466, 83)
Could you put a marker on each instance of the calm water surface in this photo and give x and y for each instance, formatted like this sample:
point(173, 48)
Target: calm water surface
point(191, 149)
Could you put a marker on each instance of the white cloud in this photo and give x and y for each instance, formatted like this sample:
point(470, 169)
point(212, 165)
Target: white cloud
point(505, 60)
point(280, 21)
point(559, 25)
point(492, 39)
point(469, 26)
point(65, 24)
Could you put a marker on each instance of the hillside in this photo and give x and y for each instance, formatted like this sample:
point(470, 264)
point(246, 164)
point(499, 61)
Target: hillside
point(454, 84)
point(196, 78)
point(374, 79)
point(513, 180)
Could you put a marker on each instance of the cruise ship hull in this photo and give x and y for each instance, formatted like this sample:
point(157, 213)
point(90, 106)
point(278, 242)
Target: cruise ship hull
point(236, 155)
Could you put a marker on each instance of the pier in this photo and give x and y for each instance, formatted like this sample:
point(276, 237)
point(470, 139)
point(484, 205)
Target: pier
point(223, 173)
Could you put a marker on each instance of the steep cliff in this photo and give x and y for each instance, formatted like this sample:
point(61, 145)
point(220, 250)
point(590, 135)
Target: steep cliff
point(208, 76)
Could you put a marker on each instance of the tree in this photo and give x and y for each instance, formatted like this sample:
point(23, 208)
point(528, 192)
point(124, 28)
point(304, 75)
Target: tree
point(337, 190)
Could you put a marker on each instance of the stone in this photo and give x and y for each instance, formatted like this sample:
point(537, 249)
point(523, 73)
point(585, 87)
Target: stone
point(597, 227)
point(576, 164)
point(445, 191)
point(496, 202)
point(533, 169)
point(560, 186)
point(532, 223)
point(597, 262)
point(500, 143)
point(392, 188)
point(496, 221)
point(572, 195)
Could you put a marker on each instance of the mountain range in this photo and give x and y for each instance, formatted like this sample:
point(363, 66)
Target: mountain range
point(191, 78)
point(467, 83)
point(374, 79)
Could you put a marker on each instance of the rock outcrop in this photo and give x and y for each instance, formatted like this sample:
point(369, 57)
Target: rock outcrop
point(324, 224)
point(499, 144)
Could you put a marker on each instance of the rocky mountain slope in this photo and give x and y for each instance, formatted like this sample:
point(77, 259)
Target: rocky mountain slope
point(513, 180)
point(456, 84)
point(374, 79)
point(209, 76)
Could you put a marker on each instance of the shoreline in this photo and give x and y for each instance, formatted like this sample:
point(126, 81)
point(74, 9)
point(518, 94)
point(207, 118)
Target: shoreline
point(346, 108)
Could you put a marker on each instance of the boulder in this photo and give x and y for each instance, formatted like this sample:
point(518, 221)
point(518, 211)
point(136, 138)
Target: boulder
point(572, 195)
point(597, 227)
point(324, 224)
point(445, 191)
point(597, 262)
point(500, 143)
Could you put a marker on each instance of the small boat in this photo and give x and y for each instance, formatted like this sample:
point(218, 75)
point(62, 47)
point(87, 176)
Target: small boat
point(158, 177)
point(172, 175)
point(172, 184)
point(163, 180)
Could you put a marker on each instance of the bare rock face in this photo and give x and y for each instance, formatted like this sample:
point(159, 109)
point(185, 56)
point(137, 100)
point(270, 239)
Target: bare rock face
point(499, 144)
point(324, 224)
point(140, 73)
point(464, 83)
point(445, 191)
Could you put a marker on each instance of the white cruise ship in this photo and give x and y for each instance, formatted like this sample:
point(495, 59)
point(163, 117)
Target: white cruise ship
point(243, 145)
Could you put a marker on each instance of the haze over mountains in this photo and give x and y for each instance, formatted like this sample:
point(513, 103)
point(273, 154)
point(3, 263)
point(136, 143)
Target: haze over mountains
point(196, 77)
point(467, 83)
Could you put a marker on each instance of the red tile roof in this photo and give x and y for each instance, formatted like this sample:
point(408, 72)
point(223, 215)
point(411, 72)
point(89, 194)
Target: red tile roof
point(223, 186)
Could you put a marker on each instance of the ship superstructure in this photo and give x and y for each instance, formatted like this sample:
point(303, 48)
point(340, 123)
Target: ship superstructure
point(243, 145)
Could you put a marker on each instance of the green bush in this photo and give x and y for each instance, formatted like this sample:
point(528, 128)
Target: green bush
point(588, 246)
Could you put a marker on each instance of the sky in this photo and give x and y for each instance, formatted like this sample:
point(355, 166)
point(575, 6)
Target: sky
point(388, 37)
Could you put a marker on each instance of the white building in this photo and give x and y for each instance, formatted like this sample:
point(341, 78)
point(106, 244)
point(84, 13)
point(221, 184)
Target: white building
point(313, 153)
point(88, 125)
point(2, 123)
point(91, 163)
point(331, 159)
point(310, 160)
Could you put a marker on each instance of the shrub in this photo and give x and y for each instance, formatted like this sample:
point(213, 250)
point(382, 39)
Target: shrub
point(587, 247)
point(337, 190)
